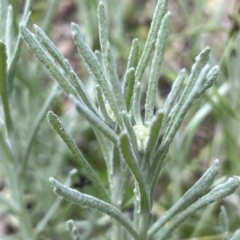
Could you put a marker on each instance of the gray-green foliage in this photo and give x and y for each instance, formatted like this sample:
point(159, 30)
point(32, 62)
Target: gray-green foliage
point(130, 143)
point(21, 116)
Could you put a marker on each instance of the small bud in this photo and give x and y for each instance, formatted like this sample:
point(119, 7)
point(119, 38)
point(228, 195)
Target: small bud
point(142, 134)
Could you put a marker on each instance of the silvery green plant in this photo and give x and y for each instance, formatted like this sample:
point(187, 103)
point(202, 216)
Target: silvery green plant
point(131, 143)
point(20, 123)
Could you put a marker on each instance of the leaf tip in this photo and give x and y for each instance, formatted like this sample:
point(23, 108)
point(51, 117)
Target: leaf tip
point(50, 114)
point(36, 27)
point(101, 5)
point(52, 181)
point(74, 25)
point(216, 162)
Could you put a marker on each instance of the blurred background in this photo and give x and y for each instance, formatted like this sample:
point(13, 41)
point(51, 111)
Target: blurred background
point(210, 130)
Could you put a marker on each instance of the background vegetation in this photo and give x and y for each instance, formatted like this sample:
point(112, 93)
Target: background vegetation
point(210, 130)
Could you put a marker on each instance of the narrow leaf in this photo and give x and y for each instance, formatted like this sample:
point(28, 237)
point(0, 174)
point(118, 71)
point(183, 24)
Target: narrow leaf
point(49, 46)
point(94, 203)
point(152, 34)
point(3, 86)
point(27, 9)
point(114, 80)
point(180, 110)
point(188, 198)
point(9, 29)
point(223, 219)
point(129, 77)
point(95, 69)
point(133, 57)
point(106, 148)
point(129, 87)
point(102, 106)
point(108, 60)
point(183, 105)
point(73, 230)
point(100, 60)
point(46, 59)
point(176, 88)
point(155, 127)
point(79, 86)
point(103, 31)
point(137, 105)
point(77, 83)
point(130, 131)
point(217, 194)
point(199, 89)
point(58, 127)
point(16, 55)
point(133, 165)
point(161, 43)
